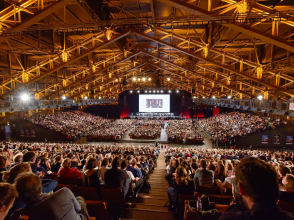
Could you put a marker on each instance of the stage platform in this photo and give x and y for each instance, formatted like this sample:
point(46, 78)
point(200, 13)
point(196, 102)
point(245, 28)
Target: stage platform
point(154, 115)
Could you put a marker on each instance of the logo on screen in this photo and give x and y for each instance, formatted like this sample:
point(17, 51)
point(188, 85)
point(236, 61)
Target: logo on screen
point(154, 103)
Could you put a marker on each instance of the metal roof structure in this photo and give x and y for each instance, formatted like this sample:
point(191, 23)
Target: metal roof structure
point(96, 48)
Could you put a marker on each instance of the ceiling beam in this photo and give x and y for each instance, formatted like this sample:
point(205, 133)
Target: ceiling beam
point(238, 27)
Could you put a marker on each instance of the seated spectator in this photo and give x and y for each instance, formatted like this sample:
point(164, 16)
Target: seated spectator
point(30, 157)
point(57, 164)
point(288, 193)
point(67, 172)
point(183, 184)
point(75, 159)
point(104, 164)
point(91, 173)
point(59, 205)
point(117, 178)
point(3, 160)
point(259, 189)
point(16, 159)
point(283, 171)
point(136, 182)
point(220, 172)
point(7, 196)
point(133, 168)
point(204, 176)
point(9, 177)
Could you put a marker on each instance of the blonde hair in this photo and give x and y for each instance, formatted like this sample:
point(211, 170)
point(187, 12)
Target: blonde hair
point(66, 163)
point(290, 182)
point(9, 176)
point(182, 176)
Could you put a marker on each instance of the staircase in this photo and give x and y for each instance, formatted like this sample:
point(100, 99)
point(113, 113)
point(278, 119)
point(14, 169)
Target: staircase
point(150, 204)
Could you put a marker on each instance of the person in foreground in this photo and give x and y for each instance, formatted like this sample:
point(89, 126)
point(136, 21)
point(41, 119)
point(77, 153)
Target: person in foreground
point(7, 197)
point(59, 205)
point(259, 189)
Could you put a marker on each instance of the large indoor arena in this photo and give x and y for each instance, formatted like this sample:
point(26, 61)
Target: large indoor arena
point(146, 109)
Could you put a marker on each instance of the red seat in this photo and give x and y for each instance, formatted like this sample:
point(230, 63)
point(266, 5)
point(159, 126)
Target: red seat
point(88, 193)
point(206, 190)
point(66, 181)
point(183, 198)
point(286, 206)
point(220, 199)
point(97, 209)
point(113, 196)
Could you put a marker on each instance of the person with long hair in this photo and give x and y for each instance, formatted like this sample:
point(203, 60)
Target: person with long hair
point(220, 172)
point(183, 184)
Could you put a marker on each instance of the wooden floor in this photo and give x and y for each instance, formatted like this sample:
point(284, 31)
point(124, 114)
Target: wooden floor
point(150, 204)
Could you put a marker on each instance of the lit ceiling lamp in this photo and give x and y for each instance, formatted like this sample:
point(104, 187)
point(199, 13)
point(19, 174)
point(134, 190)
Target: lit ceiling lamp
point(25, 97)
point(260, 97)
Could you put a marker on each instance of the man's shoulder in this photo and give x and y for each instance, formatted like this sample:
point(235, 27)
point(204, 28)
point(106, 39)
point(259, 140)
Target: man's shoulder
point(235, 215)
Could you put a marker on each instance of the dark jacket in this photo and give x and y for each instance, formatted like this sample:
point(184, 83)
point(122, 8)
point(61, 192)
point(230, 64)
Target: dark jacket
point(259, 212)
point(59, 205)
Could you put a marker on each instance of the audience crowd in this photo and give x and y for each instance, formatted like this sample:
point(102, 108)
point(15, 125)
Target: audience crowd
point(37, 167)
point(73, 123)
point(183, 130)
point(113, 129)
point(147, 129)
point(197, 167)
point(226, 127)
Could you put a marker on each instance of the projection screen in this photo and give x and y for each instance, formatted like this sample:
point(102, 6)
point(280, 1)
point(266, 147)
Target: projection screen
point(154, 103)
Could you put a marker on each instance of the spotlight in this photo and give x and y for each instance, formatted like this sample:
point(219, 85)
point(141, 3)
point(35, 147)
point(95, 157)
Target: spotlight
point(157, 91)
point(169, 91)
point(134, 79)
point(161, 91)
point(149, 91)
point(139, 79)
point(229, 97)
point(63, 97)
point(154, 91)
point(259, 97)
point(146, 91)
point(194, 97)
point(213, 97)
point(86, 97)
point(168, 79)
point(25, 97)
point(144, 79)
point(116, 80)
point(203, 97)
point(149, 79)
point(177, 91)
point(99, 97)
point(131, 91)
point(138, 91)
